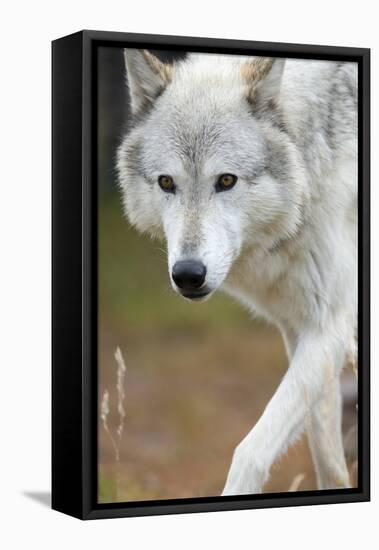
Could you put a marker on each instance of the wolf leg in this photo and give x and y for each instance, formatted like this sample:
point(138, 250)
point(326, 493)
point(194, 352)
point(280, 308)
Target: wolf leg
point(286, 415)
point(324, 430)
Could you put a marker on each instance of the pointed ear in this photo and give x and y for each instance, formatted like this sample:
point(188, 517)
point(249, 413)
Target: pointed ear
point(147, 77)
point(263, 76)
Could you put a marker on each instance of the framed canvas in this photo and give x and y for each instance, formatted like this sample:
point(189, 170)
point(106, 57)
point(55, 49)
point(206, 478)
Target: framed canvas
point(210, 275)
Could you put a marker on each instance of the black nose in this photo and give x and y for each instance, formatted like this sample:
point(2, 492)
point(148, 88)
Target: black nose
point(189, 274)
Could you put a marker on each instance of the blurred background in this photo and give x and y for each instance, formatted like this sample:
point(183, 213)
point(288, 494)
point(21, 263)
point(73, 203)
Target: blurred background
point(198, 376)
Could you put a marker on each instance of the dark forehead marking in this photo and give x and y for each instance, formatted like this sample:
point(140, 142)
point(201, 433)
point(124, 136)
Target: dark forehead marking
point(194, 139)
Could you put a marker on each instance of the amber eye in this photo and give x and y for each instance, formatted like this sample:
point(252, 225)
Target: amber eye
point(167, 184)
point(226, 182)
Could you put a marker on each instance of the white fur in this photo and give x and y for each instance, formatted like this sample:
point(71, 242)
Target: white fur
point(282, 241)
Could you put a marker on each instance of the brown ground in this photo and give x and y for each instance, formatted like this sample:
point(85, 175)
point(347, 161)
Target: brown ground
point(190, 398)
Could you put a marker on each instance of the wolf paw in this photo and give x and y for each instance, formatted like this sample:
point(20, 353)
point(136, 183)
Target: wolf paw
point(245, 477)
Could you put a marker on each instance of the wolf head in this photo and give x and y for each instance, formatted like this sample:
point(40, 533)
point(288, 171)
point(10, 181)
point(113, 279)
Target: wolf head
point(208, 164)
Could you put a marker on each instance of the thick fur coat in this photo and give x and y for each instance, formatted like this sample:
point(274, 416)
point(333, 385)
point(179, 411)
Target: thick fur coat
point(281, 236)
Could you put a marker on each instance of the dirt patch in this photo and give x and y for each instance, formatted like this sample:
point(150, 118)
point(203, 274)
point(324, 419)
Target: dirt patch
point(190, 399)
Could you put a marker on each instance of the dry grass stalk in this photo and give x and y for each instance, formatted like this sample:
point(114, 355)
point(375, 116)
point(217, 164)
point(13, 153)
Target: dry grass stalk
point(297, 481)
point(121, 373)
point(104, 416)
point(104, 412)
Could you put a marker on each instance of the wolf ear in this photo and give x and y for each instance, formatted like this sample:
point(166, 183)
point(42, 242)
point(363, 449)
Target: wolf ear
point(263, 76)
point(147, 77)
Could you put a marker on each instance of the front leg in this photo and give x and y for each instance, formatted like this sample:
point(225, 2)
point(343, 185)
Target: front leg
point(324, 432)
point(285, 417)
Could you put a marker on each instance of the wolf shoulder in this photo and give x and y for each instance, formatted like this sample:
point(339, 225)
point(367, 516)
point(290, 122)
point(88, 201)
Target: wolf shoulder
point(323, 78)
point(318, 92)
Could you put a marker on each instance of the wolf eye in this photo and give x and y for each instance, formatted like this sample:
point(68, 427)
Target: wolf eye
point(167, 184)
point(225, 182)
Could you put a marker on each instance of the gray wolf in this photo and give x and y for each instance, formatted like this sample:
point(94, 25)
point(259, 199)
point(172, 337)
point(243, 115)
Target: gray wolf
point(247, 168)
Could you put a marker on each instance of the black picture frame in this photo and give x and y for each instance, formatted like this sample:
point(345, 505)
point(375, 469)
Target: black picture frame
point(74, 295)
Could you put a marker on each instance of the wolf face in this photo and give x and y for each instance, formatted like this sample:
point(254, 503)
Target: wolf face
point(208, 163)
